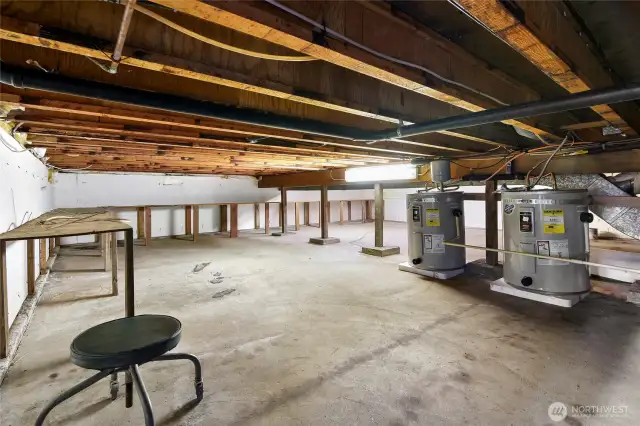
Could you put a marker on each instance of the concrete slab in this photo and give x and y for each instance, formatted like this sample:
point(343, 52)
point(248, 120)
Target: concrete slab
point(441, 275)
point(381, 251)
point(328, 337)
point(633, 296)
point(323, 241)
point(501, 286)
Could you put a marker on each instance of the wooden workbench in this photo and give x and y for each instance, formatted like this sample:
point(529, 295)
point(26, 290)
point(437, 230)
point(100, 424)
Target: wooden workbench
point(66, 223)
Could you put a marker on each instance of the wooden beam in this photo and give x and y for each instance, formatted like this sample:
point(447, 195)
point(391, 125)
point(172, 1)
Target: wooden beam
point(4, 302)
point(267, 225)
point(31, 268)
point(223, 218)
point(43, 256)
point(114, 263)
point(282, 85)
point(296, 207)
point(140, 223)
point(379, 218)
point(233, 233)
point(256, 216)
point(264, 22)
point(147, 225)
point(491, 221)
point(565, 42)
point(341, 207)
point(283, 210)
point(196, 222)
point(324, 212)
point(188, 217)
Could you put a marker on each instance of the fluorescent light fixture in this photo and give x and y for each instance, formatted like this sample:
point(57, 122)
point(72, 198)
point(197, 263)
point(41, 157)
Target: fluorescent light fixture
point(379, 173)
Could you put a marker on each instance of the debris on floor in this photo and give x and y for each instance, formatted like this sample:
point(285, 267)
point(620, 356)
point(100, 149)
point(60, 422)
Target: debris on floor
point(200, 266)
point(223, 293)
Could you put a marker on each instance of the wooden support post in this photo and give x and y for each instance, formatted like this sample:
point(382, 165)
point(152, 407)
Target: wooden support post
point(283, 210)
point(363, 211)
point(349, 211)
point(369, 204)
point(223, 218)
point(188, 216)
point(491, 217)
point(324, 212)
point(328, 209)
point(31, 267)
point(341, 212)
point(140, 226)
point(256, 216)
point(106, 250)
point(296, 207)
point(147, 226)
point(52, 246)
point(196, 222)
point(43, 256)
point(233, 233)
point(379, 225)
point(57, 240)
point(4, 303)
point(114, 263)
point(267, 225)
point(306, 214)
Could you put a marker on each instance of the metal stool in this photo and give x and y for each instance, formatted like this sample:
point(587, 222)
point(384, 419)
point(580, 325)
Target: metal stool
point(121, 346)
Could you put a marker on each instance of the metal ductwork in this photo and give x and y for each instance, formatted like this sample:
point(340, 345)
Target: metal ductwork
point(30, 79)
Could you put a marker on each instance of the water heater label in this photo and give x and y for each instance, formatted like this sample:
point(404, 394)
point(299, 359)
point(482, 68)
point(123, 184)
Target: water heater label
point(433, 243)
point(553, 221)
point(433, 217)
point(554, 248)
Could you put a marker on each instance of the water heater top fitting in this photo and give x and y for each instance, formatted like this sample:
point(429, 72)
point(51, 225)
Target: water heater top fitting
point(440, 171)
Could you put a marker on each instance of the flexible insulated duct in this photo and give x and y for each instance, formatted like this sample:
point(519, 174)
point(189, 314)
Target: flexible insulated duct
point(29, 79)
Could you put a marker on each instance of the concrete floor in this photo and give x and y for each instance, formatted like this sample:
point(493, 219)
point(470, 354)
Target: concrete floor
point(322, 335)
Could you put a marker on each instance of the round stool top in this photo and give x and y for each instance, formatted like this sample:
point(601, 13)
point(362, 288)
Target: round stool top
point(125, 341)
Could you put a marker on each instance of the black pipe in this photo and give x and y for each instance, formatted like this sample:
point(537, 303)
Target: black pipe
point(30, 79)
point(567, 103)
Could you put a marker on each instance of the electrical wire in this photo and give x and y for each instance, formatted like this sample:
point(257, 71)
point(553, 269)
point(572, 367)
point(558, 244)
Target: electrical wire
point(219, 44)
point(546, 164)
point(9, 147)
point(379, 54)
point(480, 168)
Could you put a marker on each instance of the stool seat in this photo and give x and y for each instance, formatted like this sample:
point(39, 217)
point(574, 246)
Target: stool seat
point(126, 341)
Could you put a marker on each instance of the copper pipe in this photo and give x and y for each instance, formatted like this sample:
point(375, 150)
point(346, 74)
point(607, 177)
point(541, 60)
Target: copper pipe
point(122, 35)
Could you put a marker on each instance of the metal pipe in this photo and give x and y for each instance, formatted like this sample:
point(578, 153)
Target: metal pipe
point(566, 103)
point(122, 35)
point(31, 79)
point(542, 256)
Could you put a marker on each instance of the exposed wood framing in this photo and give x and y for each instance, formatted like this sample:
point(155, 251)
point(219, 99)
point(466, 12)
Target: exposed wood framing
point(223, 73)
point(283, 210)
point(268, 24)
point(224, 222)
point(349, 211)
point(52, 246)
point(233, 211)
point(256, 216)
point(196, 222)
point(296, 207)
point(267, 224)
point(43, 255)
point(307, 211)
point(188, 216)
point(548, 20)
point(147, 226)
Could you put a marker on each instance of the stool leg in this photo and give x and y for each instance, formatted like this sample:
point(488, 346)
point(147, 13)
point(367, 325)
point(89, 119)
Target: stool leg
point(114, 386)
point(128, 390)
point(196, 363)
point(143, 395)
point(71, 392)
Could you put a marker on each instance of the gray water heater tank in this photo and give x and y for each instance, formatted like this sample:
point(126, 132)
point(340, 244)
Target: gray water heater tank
point(552, 223)
point(433, 218)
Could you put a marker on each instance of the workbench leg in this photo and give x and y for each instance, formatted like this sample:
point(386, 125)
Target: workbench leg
point(114, 263)
point(4, 304)
point(43, 256)
point(52, 246)
point(106, 250)
point(31, 267)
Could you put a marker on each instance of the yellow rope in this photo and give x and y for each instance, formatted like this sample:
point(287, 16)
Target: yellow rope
point(220, 44)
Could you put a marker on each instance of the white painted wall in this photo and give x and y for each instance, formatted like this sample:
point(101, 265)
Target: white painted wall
point(24, 194)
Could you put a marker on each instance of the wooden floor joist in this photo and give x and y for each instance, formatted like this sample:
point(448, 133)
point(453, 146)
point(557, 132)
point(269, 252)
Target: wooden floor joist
point(266, 23)
point(521, 37)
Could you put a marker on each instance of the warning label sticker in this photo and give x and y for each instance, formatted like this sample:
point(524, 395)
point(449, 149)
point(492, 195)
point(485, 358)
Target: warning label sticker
point(553, 221)
point(433, 217)
point(433, 243)
point(554, 248)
